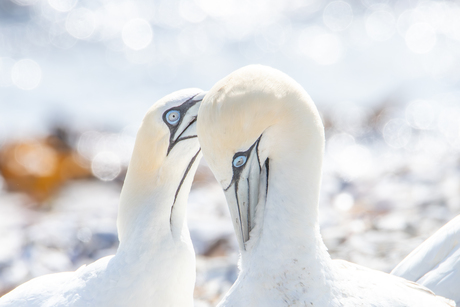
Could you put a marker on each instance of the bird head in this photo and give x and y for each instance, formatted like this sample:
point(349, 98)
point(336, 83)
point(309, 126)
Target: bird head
point(250, 120)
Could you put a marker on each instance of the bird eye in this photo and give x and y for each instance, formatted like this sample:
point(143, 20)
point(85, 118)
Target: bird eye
point(239, 161)
point(173, 117)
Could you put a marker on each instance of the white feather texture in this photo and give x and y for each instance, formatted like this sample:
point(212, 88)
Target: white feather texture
point(266, 116)
point(435, 264)
point(155, 262)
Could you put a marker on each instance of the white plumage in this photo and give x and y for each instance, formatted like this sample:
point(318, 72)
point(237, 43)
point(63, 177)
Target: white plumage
point(263, 138)
point(155, 262)
point(435, 264)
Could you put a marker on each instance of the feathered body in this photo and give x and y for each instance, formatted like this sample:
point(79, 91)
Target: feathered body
point(435, 264)
point(155, 262)
point(263, 138)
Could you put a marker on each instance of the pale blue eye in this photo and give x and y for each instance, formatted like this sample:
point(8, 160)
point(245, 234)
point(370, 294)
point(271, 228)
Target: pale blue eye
point(173, 117)
point(239, 161)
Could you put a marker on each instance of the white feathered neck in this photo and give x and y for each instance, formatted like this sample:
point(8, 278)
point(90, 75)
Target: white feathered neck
point(293, 141)
point(149, 208)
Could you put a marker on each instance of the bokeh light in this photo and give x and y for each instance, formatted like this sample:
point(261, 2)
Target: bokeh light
point(352, 161)
point(344, 201)
point(421, 38)
point(106, 166)
point(80, 23)
point(190, 11)
point(338, 15)
point(321, 46)
point(62, 5)
point(26, 74)
point(219, 8)
point(380, 25)
point(421, 114)
point(397, 133)
point(61, 38)
point(137, 34)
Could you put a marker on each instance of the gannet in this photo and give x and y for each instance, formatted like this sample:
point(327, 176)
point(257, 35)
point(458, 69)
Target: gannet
point(155, 262)
point(263, 138)
point(435, 264)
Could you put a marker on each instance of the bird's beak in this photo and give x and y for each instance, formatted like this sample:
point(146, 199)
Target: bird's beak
point(187, 126)
point(247, 189)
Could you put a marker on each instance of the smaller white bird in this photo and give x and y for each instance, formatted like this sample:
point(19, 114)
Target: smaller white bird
point(155, 262)
point(435, 264)
point(263, 138)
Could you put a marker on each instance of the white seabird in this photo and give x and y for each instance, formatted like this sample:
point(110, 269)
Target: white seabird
point(155, 262)
point(263, 138)
point(435, 264)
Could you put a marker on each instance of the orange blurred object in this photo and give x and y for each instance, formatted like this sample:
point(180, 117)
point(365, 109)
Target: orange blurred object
point(39, 167)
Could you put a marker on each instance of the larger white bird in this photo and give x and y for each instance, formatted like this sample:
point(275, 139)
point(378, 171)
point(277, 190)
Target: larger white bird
point(263, 138)
point(435, 264)
point(155, 262)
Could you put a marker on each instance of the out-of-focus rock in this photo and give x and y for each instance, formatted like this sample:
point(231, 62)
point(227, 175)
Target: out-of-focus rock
point(40, 167)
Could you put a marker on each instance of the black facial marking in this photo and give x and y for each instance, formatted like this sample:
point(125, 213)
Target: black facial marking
point(182, 181)
point(187, 137)
point(267, 167)
point(239, 212)
point(249, 197)
point(182, 109)
point(257, 152)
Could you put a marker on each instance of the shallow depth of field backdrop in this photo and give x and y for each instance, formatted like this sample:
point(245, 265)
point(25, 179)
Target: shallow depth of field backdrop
point(77, 76)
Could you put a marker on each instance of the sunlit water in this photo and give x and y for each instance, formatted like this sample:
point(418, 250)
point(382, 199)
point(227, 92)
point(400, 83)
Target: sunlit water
point(105, 62)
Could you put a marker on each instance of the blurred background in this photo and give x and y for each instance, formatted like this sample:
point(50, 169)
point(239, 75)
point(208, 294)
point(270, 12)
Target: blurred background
point(77, 76)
